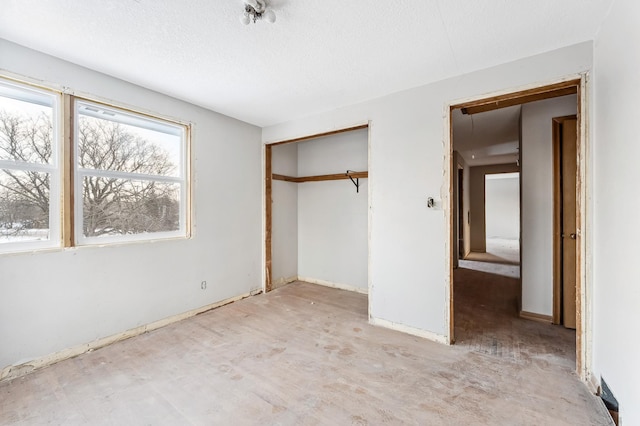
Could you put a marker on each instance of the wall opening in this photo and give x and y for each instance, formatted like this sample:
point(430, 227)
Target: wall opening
point(317, 210)
point(475, 147)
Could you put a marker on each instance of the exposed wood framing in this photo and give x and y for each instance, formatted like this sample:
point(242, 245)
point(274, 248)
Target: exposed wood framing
point(522, 97)
point(284, 178)
point(268, 218)
point(337, 176)
point(68, 213)
point(321, 135)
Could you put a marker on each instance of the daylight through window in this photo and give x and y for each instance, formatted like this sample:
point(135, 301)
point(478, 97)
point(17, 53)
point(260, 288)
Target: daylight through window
point(129, 173)
point(29, 168)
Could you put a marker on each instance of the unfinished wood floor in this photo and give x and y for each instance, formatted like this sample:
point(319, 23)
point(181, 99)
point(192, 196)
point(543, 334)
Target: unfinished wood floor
point(300, 355)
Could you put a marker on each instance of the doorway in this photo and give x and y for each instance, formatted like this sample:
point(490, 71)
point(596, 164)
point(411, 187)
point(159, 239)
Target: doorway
point(502, 217)
point(570, 87)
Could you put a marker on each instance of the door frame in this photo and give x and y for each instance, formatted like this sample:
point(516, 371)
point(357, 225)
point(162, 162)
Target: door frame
point(573, 84)
point(460, 212)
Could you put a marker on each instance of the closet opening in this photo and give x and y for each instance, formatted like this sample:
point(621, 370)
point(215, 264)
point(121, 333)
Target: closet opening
point(317, 210)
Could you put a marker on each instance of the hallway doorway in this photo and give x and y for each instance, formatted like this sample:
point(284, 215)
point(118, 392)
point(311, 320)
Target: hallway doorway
point(510, 279)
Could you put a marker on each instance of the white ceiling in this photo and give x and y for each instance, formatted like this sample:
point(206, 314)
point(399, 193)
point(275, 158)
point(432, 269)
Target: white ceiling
point(318, 56)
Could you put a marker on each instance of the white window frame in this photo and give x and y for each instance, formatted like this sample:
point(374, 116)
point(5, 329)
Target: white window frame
point(28, 93)
point(153, 123)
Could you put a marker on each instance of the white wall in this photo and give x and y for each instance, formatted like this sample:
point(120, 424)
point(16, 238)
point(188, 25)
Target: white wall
point(53, 300)
point(502, 204)
point(332, 216)
point(284, 214)
point(537, 200)
point(616, 296)
point(409, 251)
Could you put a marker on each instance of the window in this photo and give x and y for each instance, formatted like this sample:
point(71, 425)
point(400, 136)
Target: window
point(29, 168)
point(130, 181)
point(125, 172)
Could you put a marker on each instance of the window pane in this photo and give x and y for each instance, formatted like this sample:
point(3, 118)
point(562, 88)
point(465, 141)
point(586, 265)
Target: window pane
point(24, 206)
point(113, 206)
point(29, 174)
point(112, 140)
point(130, 170)
point(26, 125)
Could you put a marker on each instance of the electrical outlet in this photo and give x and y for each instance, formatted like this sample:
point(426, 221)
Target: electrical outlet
point(203, 285)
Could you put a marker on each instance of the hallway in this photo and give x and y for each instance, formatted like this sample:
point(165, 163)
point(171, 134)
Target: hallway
point(486, 322)
point(486, 316)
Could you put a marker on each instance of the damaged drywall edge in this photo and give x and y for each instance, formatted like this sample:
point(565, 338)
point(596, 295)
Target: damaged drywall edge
point(14, 371)
point(445, 195)
point(370, 185)
point(438, 338)
point(586, 225)
point(339, 286)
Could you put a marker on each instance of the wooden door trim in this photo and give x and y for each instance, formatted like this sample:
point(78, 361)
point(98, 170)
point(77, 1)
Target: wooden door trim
point(520, 97)
point(523, 97)
point(321, 135)
point(268, 208)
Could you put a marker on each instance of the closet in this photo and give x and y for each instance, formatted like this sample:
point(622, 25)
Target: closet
point(317, 220)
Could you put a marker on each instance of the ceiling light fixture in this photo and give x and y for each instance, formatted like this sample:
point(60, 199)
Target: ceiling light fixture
point(257, 9)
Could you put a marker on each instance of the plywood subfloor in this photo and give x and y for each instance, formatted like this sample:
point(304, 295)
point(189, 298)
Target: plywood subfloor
point(300, 355)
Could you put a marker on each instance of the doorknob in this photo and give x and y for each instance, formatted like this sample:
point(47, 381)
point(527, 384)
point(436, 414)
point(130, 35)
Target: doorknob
point(572, 236)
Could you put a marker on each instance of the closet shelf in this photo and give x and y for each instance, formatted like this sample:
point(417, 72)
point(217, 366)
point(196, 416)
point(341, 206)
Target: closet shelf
point(337, 176)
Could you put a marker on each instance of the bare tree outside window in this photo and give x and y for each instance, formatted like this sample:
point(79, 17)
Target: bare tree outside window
point(25, 139)
point(111, 205)
point(116, 206)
